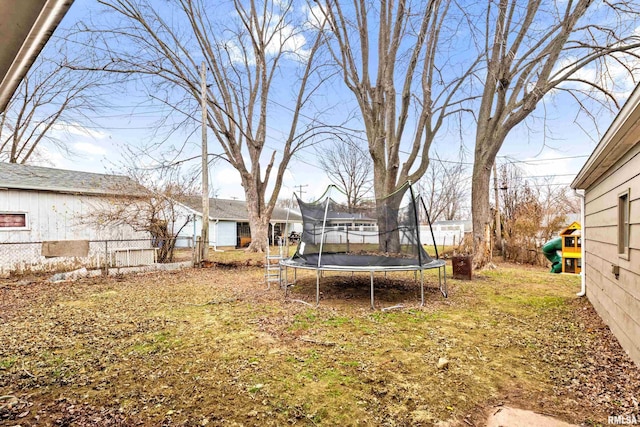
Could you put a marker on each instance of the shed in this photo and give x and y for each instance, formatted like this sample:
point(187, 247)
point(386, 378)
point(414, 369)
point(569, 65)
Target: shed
point(611, 227)
point(40, 206)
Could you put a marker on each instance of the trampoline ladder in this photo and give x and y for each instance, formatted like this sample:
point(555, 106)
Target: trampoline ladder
point(272, 268)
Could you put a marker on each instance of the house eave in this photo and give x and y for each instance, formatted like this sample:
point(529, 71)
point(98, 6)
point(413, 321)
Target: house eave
point(617, 140)
point(26, 27)
point(73, 191)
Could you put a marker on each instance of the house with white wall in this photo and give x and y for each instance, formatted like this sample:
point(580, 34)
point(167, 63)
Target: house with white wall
point(229, 222)
point(445, 233)
point(45, 207)
point(611, 226)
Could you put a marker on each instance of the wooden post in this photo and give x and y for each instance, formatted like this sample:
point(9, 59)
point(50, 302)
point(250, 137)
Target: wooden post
point(205, 167)
point(106, 257)
point(498, 223)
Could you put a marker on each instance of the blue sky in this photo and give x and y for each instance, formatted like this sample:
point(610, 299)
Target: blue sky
point(558, 153)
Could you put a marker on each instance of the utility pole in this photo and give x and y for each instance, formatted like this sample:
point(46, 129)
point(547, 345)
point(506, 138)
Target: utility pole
point(205, 166)
point(300, 190)
point(498, 223)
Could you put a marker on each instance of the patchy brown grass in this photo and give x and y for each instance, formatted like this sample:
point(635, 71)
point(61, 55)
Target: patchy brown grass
point(214, 347)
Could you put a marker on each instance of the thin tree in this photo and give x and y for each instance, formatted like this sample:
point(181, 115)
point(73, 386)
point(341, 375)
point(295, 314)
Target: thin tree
point(51, 97)
point(387, 54)
point(260, 56)
point(532, 48)
point(152, 200)
point(444, 188)
point(348, 167)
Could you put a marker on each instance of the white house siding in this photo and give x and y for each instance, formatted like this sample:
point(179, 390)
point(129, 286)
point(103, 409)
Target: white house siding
point(227, 233)
point(54, 216)
point(616, 300)
point(444, 234)
point(221, 233)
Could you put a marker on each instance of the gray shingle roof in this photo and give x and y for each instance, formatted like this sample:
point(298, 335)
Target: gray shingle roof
point(236, 210)
point(26, 177)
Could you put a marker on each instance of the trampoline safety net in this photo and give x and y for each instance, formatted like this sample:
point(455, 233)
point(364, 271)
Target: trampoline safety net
point(379, 233)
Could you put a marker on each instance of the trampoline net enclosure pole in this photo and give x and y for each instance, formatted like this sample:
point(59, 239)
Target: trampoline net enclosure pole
point(324, 224)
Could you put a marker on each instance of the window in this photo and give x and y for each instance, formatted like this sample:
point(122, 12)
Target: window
point(569, 242)
point(12, 220)
point(623, 224)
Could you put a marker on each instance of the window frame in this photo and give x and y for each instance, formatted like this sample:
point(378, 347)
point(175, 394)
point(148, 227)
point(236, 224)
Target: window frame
point(26, 221)
point(624, 223)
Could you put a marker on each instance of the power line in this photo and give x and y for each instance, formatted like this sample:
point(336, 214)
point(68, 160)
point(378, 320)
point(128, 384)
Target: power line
point(581, 156)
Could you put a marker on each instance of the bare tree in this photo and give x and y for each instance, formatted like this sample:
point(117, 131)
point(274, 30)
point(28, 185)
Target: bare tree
point(387, 54)
point(532, 212)
point(50, 97)
point(557, 204)
point(444, 188)
point(532, 48)
point(263, 66)
point(348, 167)
point(151, 201)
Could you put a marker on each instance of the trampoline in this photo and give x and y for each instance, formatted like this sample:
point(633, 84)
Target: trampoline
point(384, 235)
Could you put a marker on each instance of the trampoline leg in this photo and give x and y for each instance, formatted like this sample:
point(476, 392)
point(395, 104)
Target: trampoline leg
point(421, 289)
point(286, 283)
point(443, 287)
point(317, 288)
point(446, 290)
point(373, 307)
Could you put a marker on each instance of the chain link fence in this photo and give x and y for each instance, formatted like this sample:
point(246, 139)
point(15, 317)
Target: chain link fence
point(19, 258)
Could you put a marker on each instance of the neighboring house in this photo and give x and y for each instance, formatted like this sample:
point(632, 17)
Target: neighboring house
point(229, 222)
point(445, 233)
point(611, 226)
point(39, 204)
point(353, 221)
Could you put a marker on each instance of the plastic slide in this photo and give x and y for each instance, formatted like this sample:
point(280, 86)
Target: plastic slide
point(550, 251)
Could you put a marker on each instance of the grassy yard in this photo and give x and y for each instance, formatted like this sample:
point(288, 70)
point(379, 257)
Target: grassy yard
point(214, 347)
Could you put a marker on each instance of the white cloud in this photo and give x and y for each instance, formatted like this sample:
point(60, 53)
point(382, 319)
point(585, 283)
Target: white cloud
point(226, 181)
point(79, 130)
point(89, 148)
point(615, 77)
point(46, 157)
point(315, 16)
point(283, 39)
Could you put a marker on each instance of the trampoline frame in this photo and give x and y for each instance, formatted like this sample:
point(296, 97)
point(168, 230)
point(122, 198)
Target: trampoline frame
point(436, 263)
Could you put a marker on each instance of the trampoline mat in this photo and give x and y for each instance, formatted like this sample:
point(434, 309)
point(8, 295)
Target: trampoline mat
point(345, 261)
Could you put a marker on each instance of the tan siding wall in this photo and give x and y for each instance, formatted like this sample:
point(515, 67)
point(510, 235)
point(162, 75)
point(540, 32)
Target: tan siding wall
point(616, 300)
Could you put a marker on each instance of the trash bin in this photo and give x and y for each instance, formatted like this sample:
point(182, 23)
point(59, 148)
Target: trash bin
point(462, 267)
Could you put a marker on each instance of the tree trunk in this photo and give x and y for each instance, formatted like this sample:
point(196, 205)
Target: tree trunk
point(480, 212)
point(387, 216)
point(259, 236)
point(258, 221)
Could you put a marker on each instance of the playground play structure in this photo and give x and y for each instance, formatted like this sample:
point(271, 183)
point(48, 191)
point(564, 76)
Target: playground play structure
point(564, 251)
